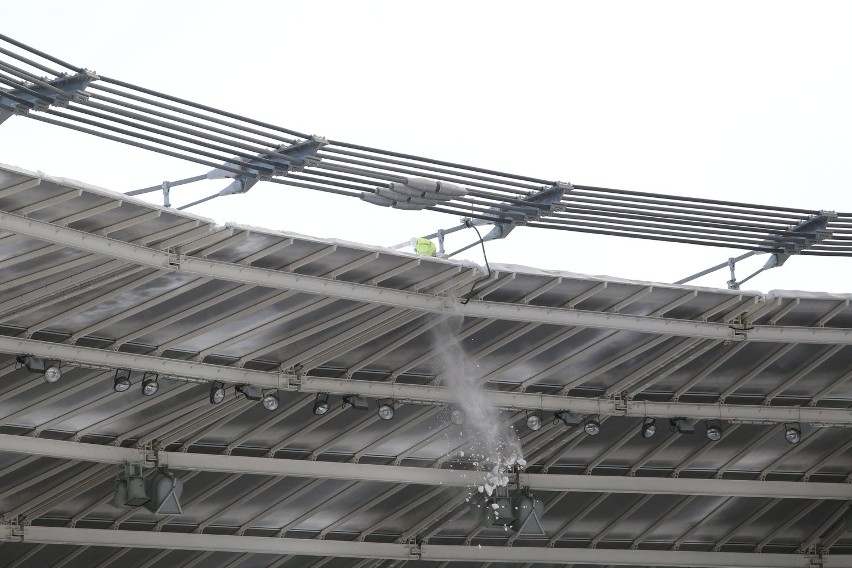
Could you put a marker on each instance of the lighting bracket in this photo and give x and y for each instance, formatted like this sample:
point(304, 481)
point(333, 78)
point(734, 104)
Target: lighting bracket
point(40, 96)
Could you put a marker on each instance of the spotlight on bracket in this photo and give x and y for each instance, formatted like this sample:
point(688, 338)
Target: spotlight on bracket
point(251, 392)
point(356, 401)
point(569, 418)
point(270, 401)
point(793, 433)
point(457, 416)
point(682, 425)
point(713, 430)
point(592, 425)
point(217, 393)
point(386, 409)
point(321, 403)
point(150, 385)
point(649, 428)
point(48, 367)
point(121, 382)
point(534, 420)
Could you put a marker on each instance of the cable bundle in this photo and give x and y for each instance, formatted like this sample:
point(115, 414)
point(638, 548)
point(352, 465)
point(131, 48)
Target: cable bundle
point(245, 148)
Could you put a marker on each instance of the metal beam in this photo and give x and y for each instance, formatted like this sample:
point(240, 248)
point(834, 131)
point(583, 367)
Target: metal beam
point(405, 299)
point(418, 475)
point(426, 552)
point(87, 356)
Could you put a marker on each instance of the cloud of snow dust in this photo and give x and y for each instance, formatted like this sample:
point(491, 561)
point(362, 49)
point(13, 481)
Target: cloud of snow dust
point(493, 447)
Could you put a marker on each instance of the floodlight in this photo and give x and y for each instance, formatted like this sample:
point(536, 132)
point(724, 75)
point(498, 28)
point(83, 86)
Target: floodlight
point(149, 384)
point(356, 401)
point(251, 392)
point(386, 409)
point(321, 403)
point(164, 490)
point(793, 433)
point(48, 367)
point(649, 428)
point(217, 393)
point(129, 488)
point(457, 416)
point(569, 418)
point(121, 382)
point(498, 509)
point(270, 401)
point(592, 425)
point(682, 425)
point(713, 430)
point(528, 512)
point(520, 511)
point(52, 373)
point(534, 421)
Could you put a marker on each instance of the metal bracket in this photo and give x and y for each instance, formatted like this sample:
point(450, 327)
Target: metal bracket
point(799, 237)
point(542, 201)
point(166, 187)
point(176, 256)
point(13, 529)
point(292, 158)
point(414, 549)
point(42, 95)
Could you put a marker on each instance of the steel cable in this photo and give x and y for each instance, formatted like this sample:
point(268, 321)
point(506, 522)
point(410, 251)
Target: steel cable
point(130, 114)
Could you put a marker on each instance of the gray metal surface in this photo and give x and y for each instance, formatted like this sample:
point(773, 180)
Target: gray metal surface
point(372, 316)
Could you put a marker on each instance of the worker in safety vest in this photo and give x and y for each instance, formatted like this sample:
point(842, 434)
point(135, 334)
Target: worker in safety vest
point(424, 247)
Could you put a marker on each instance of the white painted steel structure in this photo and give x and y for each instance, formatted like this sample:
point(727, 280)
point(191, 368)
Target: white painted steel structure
point(100, 281)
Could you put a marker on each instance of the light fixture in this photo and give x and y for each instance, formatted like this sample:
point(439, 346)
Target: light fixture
point(682, 425)
point(48, 367)
point(164, 490)
point(793, 433)
point(386, 409)
point(457, 416)
point(217, 393)
point(129, 488)
point(649, 428)
point(534, 421)
point(150, 385)
point(592, 425)
point(713, 430)
point(321, 404)
point(270, 401)
point(251, 392)
point(521, 512)
point(356, 401)
point(569, 418)
point(121, 382)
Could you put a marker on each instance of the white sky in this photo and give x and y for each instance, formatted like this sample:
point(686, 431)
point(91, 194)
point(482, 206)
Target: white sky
point(743, 101)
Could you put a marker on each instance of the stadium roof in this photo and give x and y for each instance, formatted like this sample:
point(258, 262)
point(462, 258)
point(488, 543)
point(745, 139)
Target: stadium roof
point(103, 282)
